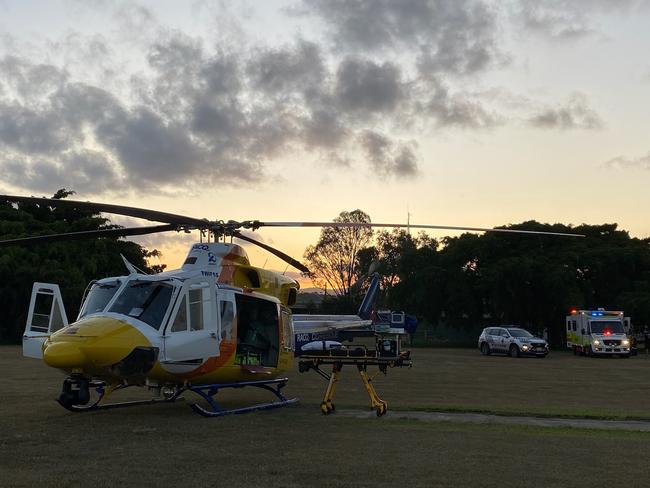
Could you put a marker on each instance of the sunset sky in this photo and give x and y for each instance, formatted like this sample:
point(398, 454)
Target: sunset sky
point(459, 112)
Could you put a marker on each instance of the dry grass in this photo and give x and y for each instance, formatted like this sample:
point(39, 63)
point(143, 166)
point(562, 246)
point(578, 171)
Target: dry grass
point(166, 445)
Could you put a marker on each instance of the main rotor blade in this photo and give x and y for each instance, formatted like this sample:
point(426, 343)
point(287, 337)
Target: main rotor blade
point(256, 224)
point(141, 213)
point(285, 257)
point(87, 234)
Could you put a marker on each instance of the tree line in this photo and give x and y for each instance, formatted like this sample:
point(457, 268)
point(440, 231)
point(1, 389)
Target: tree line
point(462, 282)
point(472, 280)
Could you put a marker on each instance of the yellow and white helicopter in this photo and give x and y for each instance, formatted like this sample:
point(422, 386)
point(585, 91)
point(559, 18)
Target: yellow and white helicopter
point(215, 323)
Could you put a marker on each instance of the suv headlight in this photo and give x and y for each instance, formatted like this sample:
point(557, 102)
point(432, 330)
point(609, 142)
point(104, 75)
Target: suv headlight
point(596, 342)
point(625, 342)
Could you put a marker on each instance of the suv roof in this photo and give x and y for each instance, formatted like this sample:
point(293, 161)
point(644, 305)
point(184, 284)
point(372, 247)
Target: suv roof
point(504, 327)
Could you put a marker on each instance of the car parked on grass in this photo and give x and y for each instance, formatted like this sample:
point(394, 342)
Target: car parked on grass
point(511, 340)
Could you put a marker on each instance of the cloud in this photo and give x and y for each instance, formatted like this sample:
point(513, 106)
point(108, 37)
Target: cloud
point(22, 80)
point(31, 131)
point(570, 19)
point(388, 157)
point(449, 36)
point(324, 129)
point(282, 72)
point(622, 162)
point(459, 109)
point(44, 129)
point(89, 170)
point(367, 87)
point(575, 114)
point(177, 110)
point(149, 148)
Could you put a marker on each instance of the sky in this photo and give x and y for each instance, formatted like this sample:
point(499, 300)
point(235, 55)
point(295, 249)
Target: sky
point(453, 112)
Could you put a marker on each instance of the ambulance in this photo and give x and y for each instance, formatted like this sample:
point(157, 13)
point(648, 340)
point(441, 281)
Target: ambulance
point(598, 332)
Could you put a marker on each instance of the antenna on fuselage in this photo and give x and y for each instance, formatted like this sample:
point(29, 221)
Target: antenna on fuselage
point(132, 269)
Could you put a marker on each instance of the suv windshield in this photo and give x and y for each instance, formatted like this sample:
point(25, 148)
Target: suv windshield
point(519, 333)
point(144, 300)
point(99, 296)
point(606, 326)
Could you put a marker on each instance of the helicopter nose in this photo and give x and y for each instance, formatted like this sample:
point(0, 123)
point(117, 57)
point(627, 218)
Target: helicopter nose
point(64, 355)
point(92, 345)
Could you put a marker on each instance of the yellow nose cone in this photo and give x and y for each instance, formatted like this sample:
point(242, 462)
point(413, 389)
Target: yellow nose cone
point(64, 355)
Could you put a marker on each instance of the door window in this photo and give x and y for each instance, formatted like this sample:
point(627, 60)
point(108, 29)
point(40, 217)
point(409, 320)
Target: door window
point(192, 310)
point(196, 309)
point(227, 313)
point(42, 312)
point(180, 322)
point(47, 316)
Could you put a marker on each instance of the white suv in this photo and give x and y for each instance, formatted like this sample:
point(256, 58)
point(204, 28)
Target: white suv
point(511, 340)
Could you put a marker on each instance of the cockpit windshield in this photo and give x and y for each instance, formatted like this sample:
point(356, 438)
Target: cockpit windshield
point(144, 300)
point(99, 296)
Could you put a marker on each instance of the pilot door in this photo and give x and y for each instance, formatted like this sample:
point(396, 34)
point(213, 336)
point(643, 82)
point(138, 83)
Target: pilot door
point(192, 332)
point(46, 315)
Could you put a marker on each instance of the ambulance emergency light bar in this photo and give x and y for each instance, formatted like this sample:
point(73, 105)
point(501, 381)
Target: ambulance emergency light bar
point(596, 313)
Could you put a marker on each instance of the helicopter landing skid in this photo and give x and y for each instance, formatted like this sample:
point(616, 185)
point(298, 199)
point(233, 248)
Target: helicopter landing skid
point(207, 392)
point(70, 395)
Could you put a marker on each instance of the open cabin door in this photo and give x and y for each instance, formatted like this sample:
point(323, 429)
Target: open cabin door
point(46, 315)
point(192, 333)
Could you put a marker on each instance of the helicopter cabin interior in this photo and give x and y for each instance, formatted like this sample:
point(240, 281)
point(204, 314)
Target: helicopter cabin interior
point(258, 338)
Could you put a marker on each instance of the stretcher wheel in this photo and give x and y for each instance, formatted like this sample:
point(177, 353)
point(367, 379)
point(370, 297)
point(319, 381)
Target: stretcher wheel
point(327, 407)
point(381, 409)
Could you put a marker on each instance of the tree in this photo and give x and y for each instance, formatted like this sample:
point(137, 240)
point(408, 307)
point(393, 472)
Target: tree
point(411, 273)
point(70, 264)
point(334, 260)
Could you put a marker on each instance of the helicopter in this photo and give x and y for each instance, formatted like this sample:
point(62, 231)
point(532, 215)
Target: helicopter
point(215, 323)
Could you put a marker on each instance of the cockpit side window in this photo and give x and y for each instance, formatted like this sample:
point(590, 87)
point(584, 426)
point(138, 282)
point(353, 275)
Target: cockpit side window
point(145, 300)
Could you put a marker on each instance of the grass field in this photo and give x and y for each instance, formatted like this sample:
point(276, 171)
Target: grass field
point(166, 445)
